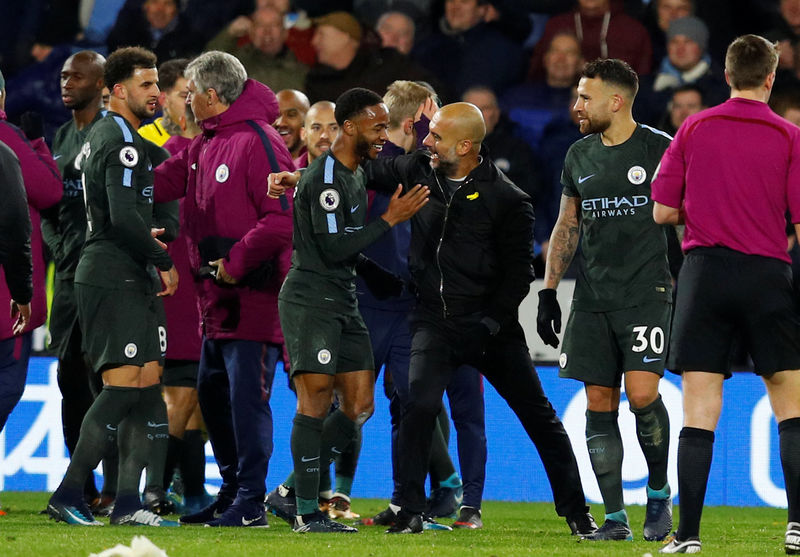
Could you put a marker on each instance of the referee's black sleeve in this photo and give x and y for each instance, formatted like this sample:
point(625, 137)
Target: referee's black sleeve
point(15, 228)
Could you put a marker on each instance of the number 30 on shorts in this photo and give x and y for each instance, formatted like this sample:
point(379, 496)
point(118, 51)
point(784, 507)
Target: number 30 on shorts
point(162, 339)
point(655, 339)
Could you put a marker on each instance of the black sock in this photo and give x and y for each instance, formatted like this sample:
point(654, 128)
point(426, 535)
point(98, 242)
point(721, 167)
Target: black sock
point(111, 467)
point(174, 450)
point(338, 432)
point(605, 452)
point(193, 463)
point(306, 440)
point(440, 465)
point(789, 431)
point(346, 465)
point(652, 429)
point(103, 418)
point(157, 427)
point(695, 450)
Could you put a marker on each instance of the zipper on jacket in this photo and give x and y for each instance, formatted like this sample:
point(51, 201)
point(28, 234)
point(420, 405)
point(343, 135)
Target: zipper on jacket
point(441, 238)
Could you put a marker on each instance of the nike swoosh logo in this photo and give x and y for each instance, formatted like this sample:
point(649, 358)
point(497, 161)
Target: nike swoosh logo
point(109, 428)
point(354, 209)
point(246, 522)
point(56, 157)
point(598, 435)
point(335, 450)
point(304, 459)
point(647, 360)
point(151, 424)
point(582, 179)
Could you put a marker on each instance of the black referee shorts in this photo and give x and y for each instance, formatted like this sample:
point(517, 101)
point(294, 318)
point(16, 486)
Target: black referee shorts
point(724, 294)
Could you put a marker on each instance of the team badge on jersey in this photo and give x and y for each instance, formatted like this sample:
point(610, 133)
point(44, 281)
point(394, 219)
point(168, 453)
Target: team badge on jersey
point(324, 356)
point(637, 175)
point(131, 350)
point(223, 173)
point(128, 156)
point(562, 359)
point(329, 199)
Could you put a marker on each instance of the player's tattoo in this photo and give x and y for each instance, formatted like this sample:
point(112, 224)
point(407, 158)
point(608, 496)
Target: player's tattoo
point(563, 241)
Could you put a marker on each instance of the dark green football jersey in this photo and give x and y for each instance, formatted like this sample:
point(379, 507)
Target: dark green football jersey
point(624, 251)
point(330, 207)
point(70, 228)
point(117, 175)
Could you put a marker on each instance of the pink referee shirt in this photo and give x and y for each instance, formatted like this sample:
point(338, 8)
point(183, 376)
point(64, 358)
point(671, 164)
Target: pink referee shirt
point(735, 168)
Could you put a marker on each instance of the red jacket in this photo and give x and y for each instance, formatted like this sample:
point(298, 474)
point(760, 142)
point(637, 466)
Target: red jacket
point(43, 186)
point(223, 176)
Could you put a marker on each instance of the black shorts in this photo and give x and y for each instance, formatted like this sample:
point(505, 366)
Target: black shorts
point(120, 327)
point(180, 373)
point(724, 295)
point(322, 341)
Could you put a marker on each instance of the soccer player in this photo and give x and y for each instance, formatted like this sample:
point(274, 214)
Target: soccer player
point(731, 175)
point(318, 132)
point(619, 323)
point(293, 106)
point(117, 293)
point(325, 335)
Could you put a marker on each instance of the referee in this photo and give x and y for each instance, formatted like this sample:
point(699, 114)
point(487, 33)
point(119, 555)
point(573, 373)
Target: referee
point(736, 279)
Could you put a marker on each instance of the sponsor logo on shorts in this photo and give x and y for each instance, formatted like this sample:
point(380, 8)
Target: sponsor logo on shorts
point(223, 173)
point(648, 360)
point(329, 199)
point(324, 356)
point(131, 350)
point(562, 359)
point(637, 175)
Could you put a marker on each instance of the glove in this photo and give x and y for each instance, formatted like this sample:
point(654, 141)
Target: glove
point(32, 125)
point(382, 283)
point(548, 319)
point(476, 337)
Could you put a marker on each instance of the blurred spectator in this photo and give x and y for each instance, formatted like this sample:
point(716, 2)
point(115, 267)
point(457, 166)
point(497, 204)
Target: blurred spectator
point(533, 105)
point(157, 25)
point(396, 30)
point(206, 19)
point(686, 100)
point(786, 103)
point(293, 105)
point(687, 61)
point(259, 42)
point(370, 12)
point(789, 22)
point(659, 15)
point(343, 63)
point(466, 51)
point(604, 31)
point(318, 132)
point(172, 100)
point(511, 154)
point(79, 24)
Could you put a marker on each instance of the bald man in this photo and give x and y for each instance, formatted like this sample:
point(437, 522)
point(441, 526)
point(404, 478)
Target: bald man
point(64, 231)
point(293, 105)
point(318, 132)
point(470, 282)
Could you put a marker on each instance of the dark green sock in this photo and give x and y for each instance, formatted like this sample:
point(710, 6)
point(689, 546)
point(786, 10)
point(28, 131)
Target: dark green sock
point(440, 465)
point(652, 429)
point(157, 435)
point(605, 452)
point(346, 465)
point(174, 450)
point(192, 462)
point(338, 432)
point(306, 440)
point(101, 422)
point(111, 466)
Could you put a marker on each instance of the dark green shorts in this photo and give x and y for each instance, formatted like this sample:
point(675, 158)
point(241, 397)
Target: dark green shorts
point(321, 341)
point(600, 346)
point(180, 373)
point(120, 327)
point(63, 317)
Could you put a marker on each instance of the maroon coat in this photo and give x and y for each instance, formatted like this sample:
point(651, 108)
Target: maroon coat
point(43, 186)
point(223, 176)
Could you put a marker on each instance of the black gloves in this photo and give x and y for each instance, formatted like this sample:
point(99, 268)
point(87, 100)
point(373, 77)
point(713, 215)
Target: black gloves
point(32, 125)
point(382, 283)
point(548, 320)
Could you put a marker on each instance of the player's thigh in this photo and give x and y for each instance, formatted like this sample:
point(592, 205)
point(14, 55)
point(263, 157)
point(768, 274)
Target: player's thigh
point(642, 335)
point(590, 352)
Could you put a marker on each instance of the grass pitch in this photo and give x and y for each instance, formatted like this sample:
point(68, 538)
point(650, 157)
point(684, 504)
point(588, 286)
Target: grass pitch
point(510, 529)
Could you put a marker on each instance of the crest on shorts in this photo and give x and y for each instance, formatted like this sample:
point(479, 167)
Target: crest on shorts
point(329, 199)
point(562, 359)
point(223, 173)
point(128, 156)
point(637, 175)
point(324, 356)
point(131, 350)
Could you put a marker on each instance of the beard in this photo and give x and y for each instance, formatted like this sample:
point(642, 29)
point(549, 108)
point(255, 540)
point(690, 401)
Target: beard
point(595, 125)
point(141, 110)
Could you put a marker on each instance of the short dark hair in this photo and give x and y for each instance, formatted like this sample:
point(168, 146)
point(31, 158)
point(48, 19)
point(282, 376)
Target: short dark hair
point(353, 101)
point(614, 71)
point(170, 71)
point(121, 64)
point(691, 87)
point(749, 60)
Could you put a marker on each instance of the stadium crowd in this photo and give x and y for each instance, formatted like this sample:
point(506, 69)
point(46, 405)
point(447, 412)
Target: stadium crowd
point(354, 186)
